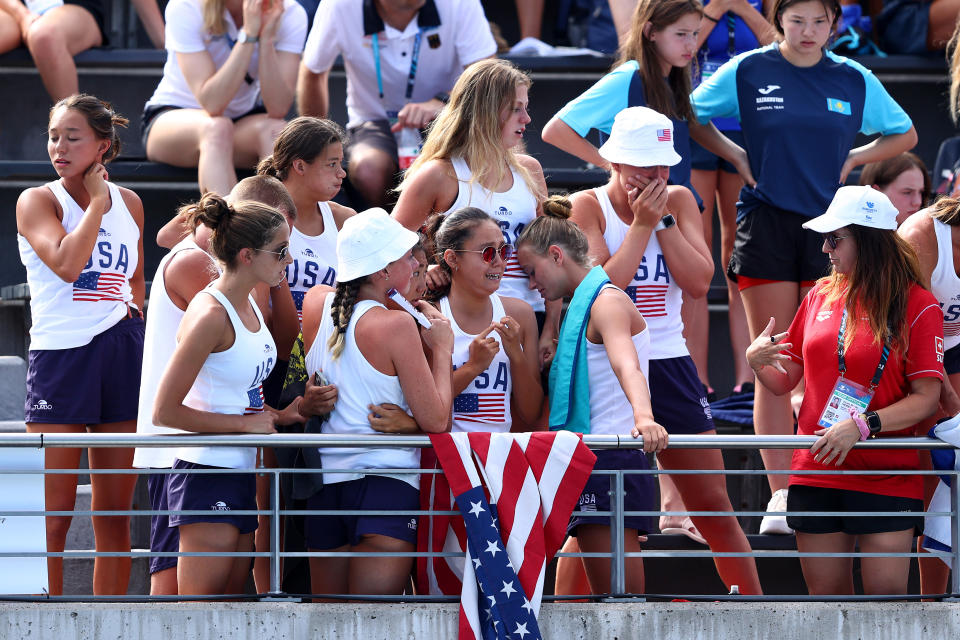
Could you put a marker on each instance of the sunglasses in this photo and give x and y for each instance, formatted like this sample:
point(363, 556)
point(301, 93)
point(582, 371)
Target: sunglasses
point(487, 254)
point(281, 255)
point(833, 239)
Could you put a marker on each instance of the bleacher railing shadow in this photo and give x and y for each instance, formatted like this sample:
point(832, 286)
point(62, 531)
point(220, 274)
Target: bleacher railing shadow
point(616, 513)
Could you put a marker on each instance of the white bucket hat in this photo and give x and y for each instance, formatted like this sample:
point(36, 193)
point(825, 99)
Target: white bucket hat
point(368, 242)
point(641, 137)
point(864, 206)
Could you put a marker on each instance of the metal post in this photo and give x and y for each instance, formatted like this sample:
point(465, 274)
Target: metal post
point(275, 533)
point(955, 534)
point(618, 584)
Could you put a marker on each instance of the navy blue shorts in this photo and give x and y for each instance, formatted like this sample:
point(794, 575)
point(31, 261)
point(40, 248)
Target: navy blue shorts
point(218, 493)
point(639, 492)
point(163, 537)
point(97, 383)
point(951, 360)
point(703, 160)
point(677, 397)
point(368, 493)
point(806, 498)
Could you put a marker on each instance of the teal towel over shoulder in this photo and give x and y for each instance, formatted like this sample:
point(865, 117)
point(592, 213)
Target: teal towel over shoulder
point(569, 380)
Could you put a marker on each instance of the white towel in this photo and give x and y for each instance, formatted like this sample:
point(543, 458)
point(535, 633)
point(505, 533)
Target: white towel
point(936, 529)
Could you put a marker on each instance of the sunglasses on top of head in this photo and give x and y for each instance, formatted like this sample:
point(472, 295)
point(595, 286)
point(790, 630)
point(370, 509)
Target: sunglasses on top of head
point(488, 253)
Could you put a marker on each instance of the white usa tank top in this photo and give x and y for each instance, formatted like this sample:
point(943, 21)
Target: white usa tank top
point(314, 259)
point(231, 382)
point(610, 411)
point(484, 405)
point(159, 341)
point(945, 285)
point(513, 210)
point(358, 384)
point(653, 290)
point(70, 314)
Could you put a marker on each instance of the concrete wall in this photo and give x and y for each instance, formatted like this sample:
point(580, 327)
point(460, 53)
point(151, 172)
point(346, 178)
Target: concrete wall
point(663, 621)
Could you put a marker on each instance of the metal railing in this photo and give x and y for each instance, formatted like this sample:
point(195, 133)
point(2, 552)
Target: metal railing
point(617, 513)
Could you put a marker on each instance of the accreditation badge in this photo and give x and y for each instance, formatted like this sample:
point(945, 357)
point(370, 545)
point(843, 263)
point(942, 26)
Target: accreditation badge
point(846, 395)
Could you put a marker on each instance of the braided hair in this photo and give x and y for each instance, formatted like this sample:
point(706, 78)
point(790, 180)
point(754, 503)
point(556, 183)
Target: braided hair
point(341, 310)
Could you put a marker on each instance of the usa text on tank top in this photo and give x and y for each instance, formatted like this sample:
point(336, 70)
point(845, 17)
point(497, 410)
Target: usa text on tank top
point(314, 259)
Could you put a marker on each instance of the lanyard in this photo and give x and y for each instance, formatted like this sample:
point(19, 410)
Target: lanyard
point(731, 34)
point(884, 354)
point(414, 58)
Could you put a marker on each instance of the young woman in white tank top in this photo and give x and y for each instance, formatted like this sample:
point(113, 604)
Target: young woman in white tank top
point(80, 240)
point(471, 158)
point(372, 355)
point(495, 347)
point(214, 384)
point(553, 251)
point(648, 238)
point(934, 233)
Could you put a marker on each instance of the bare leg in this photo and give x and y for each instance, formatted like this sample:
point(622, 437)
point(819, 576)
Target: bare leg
point(943, 18)
point(885, 576)
point(329, 575)
point(114, 492)
point(53, 40)
point(164, 583)
point(827, 576)
point(60, 494)
point(191, 138)
point(571, 579)
point(379, 576)
point(207, 575)
point(371, 173)
point(595, 538)
point(530, 15)
point(696, 316)
point(728, 192)
point(9, 33)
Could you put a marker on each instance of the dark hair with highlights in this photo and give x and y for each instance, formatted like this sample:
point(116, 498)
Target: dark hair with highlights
point(100, 116)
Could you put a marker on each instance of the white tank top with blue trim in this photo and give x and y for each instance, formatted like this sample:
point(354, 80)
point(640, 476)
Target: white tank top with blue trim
point(314, 258)
point(945, 285)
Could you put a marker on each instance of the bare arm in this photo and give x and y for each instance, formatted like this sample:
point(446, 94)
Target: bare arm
point(284, 324)
point(432, 188)
point(137, 284)
point(918, 231)
point(684, 248)
point(612, 316)
point(775, 370)
point(716, 143)
point(430, 404)
point(215, 88)
point(65, 253)
point(880, 149)
point(202, 331)
point(518, 333)
point(277, 69)
point(313, 93)
point(562, 136)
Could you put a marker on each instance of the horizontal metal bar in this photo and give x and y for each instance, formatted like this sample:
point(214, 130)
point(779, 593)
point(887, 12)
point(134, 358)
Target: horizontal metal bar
point(43, 440)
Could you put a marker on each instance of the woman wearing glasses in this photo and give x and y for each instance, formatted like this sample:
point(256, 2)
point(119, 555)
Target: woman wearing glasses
point(495, 350)
point(214, 384)
point(873, 337)
point(470, 159)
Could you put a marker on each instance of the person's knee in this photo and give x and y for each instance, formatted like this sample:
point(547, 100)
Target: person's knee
point(217, 133)
point(269, 130)
point(57, 527)
point(45, 39)
point(371, 168)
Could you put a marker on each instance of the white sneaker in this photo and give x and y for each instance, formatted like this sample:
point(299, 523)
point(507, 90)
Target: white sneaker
point(775, 523)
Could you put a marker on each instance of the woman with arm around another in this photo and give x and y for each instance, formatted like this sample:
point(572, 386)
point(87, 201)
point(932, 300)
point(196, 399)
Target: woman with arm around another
point(648, 238)
point(213, 383)
point(227, 85)
point(80, 239)
point(868, 343)
point(611, 335)
point(471, 159)
point(372, 355)
point(800, 108)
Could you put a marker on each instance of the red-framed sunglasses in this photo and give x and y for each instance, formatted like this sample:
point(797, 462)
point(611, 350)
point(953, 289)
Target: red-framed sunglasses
point(487, 253)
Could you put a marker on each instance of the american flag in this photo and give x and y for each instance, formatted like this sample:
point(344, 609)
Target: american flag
point(94, 286)
point(651, 299)
point(951, 328)
point(255, 400)
point(513, 268)
point(480, 407)
point(663, 135)
point(298, 297)
point(534, 480)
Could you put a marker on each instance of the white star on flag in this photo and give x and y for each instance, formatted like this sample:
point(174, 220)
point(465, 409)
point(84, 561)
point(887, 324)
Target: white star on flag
point(527, 605)
point(476, 509)
point(492, 547)
point(521, 630)
point(508, 588)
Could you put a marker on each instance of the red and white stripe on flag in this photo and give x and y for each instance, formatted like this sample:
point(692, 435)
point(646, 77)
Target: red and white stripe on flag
point(534, 479)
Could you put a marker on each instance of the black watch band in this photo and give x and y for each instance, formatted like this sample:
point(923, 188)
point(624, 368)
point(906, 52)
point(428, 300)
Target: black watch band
point(873, 422)
point(443, 97)
point(666, 222)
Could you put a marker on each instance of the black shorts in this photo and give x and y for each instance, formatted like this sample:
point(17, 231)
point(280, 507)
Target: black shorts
point(771, 244)
point(150, 114)
point(805, 498)
point(374, 133)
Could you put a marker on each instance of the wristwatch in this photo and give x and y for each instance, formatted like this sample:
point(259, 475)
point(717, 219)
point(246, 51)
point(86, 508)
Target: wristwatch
point(244, 37)
point(873, 422)
point(666, 222)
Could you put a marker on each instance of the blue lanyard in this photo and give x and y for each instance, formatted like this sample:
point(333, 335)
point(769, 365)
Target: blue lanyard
point(884, 354)
point(414, 58)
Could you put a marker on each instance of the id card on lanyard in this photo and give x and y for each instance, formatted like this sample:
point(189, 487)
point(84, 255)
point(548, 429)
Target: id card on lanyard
point(847, 394)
